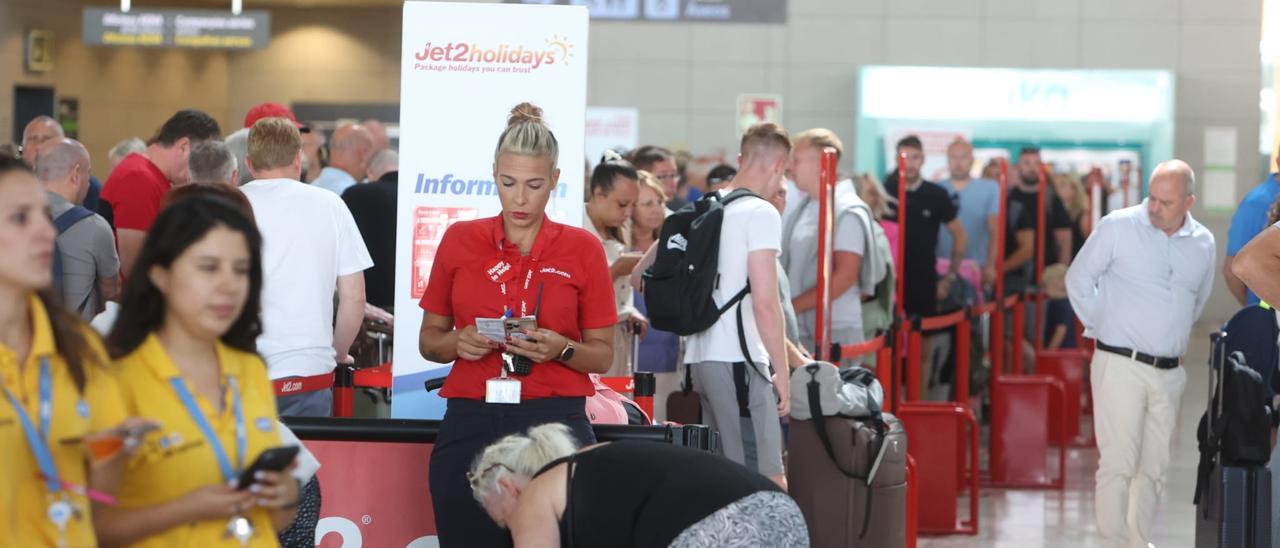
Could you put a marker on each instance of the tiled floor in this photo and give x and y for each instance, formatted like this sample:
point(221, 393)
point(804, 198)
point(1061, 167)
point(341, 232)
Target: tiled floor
point(1023, 518)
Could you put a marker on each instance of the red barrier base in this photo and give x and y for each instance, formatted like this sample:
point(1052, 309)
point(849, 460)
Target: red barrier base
point(1071, 367)
point(1020, 439)
point(937, 444)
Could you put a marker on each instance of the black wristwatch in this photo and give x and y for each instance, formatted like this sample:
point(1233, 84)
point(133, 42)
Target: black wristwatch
point(567, 353)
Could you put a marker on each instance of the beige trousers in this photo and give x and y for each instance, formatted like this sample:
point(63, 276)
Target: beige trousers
point(1135, 412)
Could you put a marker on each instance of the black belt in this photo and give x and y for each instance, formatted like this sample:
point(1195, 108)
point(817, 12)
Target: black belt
point(1155, 361)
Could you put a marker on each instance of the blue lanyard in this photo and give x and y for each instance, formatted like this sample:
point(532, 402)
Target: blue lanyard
point(36, 438)
point(188, 401)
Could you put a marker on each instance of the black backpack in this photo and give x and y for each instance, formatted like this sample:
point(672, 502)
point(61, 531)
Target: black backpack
point(1236, 429)
point(678, 286)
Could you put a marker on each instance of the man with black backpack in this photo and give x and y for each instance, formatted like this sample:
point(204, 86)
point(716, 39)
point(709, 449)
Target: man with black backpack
point(714, 279)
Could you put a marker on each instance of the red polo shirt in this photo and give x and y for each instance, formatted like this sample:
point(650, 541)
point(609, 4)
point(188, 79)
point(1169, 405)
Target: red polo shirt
point(577, 294)
point(135, 189)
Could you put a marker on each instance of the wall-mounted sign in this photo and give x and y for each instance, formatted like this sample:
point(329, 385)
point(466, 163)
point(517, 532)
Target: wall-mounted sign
point(757, 108)
point(716, 11)
point(39, 50)
point(170, 28)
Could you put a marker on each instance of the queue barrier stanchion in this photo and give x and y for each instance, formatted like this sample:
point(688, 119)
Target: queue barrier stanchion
point(344, 390)
point(937, 434)
point(913, 502)
point(645, 387)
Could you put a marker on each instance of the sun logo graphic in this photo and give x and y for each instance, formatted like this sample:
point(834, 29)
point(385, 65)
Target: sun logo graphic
point(561, 43)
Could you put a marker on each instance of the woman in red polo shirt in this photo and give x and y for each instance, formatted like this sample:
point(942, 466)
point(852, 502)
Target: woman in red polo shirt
point(519, 263)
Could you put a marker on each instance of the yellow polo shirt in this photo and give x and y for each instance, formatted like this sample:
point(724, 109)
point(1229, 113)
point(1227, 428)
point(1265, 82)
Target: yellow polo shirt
point(177, 459)
point(24, 498)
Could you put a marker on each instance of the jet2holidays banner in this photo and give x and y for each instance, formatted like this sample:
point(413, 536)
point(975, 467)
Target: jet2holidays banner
point(463, 67)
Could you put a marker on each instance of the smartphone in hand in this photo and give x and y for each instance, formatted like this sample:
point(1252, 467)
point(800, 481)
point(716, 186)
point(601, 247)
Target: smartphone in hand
point(272, 460)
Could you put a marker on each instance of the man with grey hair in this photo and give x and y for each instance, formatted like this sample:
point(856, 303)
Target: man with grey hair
point(212, 162)
point(238, 144)
point(86, 267)
point(132, 145)
point(42, 129)
point(1140, 282)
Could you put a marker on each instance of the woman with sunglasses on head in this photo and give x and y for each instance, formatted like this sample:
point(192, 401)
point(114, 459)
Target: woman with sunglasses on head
point(519, 263)
point(629, 493)
point(184, 350)
point(62, 424)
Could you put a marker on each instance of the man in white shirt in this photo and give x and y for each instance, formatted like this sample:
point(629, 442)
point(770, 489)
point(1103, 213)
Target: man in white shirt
point(350, 149)
point(310, 247)
point(1140, 282)
point(738, 397)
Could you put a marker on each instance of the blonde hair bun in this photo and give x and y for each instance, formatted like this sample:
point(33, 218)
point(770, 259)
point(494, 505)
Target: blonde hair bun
point(525, 112)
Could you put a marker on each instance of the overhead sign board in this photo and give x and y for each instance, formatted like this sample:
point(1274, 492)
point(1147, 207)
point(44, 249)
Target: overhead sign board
point(715, 11)
point(171, 28)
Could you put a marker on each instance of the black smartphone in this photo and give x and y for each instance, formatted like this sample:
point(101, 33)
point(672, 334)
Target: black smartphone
point(271, 460)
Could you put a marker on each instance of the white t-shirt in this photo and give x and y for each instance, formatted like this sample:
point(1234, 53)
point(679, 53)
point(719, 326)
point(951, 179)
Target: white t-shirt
point(309, 239)
point(750, 224)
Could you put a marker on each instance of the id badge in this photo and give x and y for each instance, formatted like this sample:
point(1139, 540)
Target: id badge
point(502, 391)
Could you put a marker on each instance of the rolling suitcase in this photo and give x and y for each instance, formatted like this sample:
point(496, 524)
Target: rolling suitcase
point(1233, 503)
point(862, 501)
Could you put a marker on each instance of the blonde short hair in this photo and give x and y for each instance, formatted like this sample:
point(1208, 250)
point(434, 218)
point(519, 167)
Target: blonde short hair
point(527, 134)
point(520, 454)
point(273, 143)
point(821, 138)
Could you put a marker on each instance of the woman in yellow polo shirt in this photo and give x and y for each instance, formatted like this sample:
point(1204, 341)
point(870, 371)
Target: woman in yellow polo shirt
point(184, 350)
point(54, 390)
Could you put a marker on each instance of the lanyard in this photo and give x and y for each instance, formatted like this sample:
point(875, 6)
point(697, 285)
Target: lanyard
point(499, 268)
point(524, 293)
point(37, 439)
point(188, 401)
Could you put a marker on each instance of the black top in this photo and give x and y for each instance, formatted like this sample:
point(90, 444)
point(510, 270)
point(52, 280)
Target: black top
point(1055, 217)
point(1060, 313)
point(373, 206)
point(929, 207)
point(643, 493)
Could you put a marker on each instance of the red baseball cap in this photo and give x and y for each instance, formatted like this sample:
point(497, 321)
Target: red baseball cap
point(271, 110)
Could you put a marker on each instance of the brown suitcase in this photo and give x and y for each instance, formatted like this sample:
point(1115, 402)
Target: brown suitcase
point(842, 511)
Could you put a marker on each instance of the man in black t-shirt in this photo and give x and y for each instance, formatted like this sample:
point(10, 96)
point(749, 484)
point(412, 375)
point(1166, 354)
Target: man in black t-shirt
point(1019, 243)
point(929, 207)
point(1057, 237)
point(373, 206)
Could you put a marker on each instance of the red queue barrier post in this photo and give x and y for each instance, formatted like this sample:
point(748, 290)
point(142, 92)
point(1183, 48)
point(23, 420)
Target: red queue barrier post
point(826, 223)
point(1037, 338)
point(913, 503)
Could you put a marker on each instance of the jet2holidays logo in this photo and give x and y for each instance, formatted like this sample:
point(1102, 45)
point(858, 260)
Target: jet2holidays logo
point(481, 57)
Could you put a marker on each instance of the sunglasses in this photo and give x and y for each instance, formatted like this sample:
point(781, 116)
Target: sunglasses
point(474, 478)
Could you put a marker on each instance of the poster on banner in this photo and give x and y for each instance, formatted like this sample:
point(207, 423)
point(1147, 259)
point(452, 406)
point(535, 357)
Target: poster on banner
point(935, 143)
point(611, 128)
point(463, 67)
point(757, 108)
